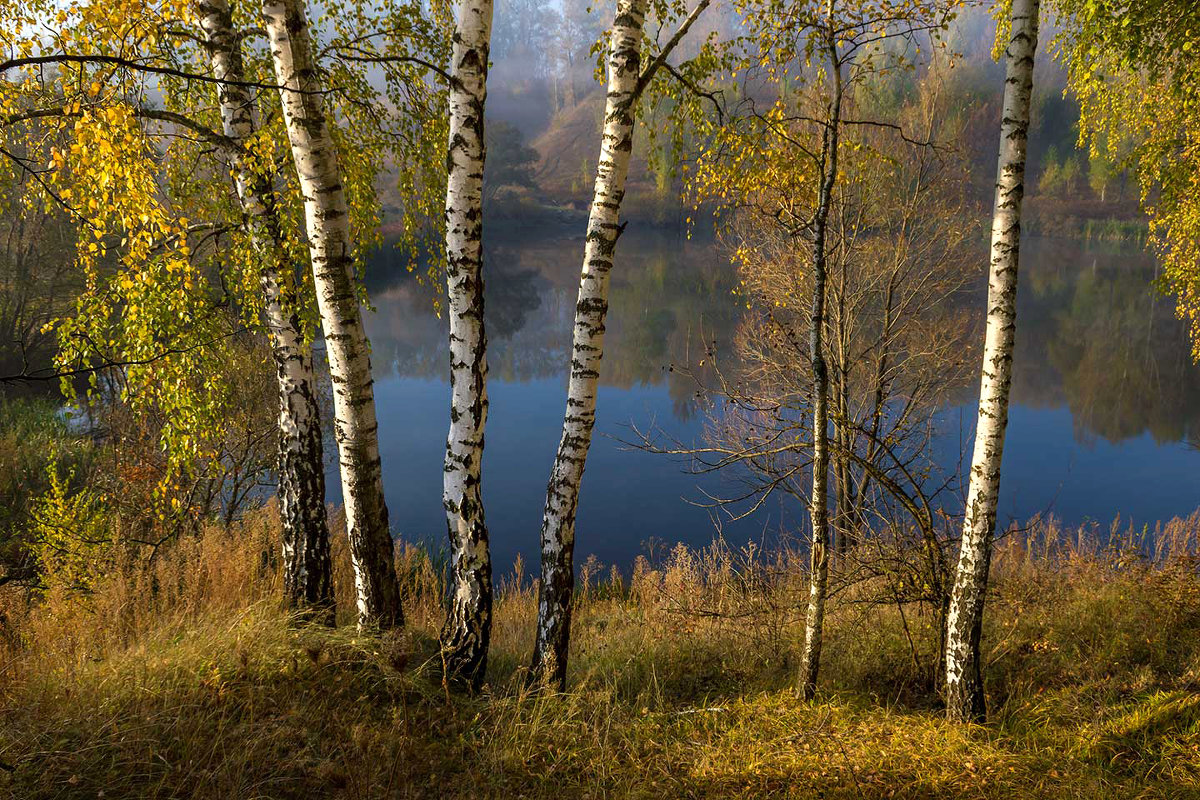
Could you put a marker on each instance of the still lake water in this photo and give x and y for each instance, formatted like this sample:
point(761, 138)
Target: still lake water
point(1106, 399)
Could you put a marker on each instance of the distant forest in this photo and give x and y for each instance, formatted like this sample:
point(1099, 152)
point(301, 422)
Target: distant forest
point(545, 108)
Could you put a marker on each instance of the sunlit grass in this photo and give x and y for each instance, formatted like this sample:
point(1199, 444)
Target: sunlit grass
point(184, 679)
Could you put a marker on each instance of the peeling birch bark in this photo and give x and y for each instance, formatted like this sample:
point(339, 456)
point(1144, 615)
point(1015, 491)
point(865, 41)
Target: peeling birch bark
point(562, 494)
point(306, 559)
point(964, 677)
point(330, 246)
point(464, 637)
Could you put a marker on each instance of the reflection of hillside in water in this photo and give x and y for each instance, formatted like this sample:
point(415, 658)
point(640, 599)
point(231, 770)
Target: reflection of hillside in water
point(1093, 333)
point(667, 295)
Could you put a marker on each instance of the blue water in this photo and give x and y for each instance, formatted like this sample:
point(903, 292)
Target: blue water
point(1047, 469)
point(1105, 396)
point(630, 499)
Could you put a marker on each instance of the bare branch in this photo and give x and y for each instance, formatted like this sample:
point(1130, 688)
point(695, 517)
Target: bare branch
point(661, 59)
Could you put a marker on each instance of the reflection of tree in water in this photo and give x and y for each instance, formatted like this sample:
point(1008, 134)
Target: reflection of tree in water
point(532, 345)
point(1093, 336)
point(1097, 336)
point(673, 301)
point(408, 339)
point(668, 293)
point(511, 297)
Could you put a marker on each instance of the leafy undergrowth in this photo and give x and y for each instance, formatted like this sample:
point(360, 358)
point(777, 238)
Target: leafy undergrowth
point(680, 687)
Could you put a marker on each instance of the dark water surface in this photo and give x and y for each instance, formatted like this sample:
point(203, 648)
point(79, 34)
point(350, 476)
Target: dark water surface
point(1106, 396)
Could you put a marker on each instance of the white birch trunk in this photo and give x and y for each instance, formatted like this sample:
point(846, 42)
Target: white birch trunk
point(306, 559)
point(469, 615)
point(328, 226)
point(818, 586)
point(562, 494)
point(964, 679)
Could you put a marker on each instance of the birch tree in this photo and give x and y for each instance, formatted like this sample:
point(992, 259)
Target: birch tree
point(469, 615)
point(94, 76)
point(828, 52)
point(306, 559)
point(964, 678)
point(818, 589)
point(328, 226)
point(627, 82)
point(898, 241)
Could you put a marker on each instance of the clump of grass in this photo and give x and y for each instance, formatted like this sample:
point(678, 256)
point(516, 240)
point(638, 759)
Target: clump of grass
point(181, 677)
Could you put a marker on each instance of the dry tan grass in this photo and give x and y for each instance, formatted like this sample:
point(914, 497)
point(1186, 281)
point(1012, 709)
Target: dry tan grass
point(181, 677)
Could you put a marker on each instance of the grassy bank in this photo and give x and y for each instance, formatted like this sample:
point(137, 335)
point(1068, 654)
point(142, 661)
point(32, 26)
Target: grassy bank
point(181, 678)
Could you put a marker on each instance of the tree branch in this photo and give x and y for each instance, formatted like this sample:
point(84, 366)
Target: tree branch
point(661, 59)
point(117, 61)
point(355, 54)
point(42, 376)
point(182, 120)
